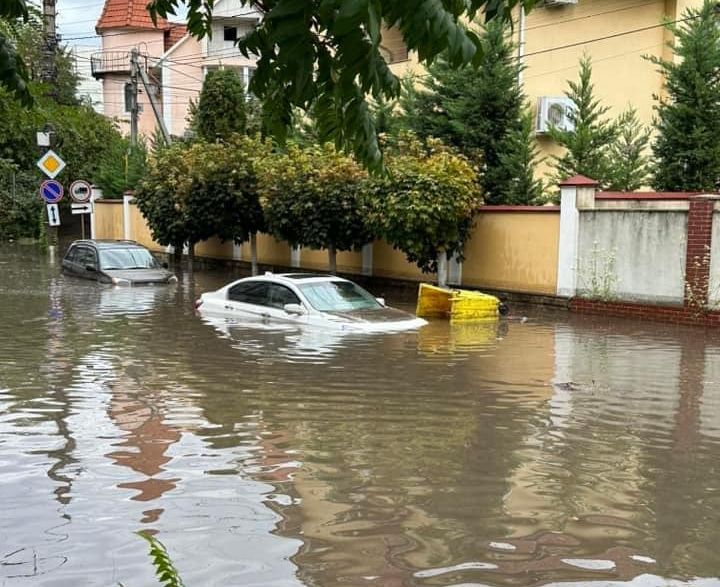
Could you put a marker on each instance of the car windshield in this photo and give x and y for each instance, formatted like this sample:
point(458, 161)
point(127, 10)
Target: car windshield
point(338, 296)
point(127, 258)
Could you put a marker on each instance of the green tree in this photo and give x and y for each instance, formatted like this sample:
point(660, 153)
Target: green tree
point(518, 160)
point(162, 196)
point(479, 111)
point(224, 198)
point(313, 198)
point(426, 205)
point(628, 161)
point(220, 111)
point(13, 74)
point(193, 192)
point(20, 207)
point(328, 55)
point(120, 168)
point(686, 149)
point(588, 142)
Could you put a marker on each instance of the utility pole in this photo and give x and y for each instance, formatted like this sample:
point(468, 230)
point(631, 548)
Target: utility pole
point(48, 71)
point(149, 93)
point(134, 106)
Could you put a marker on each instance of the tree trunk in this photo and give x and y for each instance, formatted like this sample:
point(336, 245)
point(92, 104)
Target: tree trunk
point(442, 269)
point(253, 253)
point(177, 254)
point(332, 259)
point(191, 257)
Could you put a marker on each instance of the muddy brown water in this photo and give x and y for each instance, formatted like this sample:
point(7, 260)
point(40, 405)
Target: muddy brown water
point(544, 449)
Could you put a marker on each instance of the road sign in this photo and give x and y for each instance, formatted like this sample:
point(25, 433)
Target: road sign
point(85, 208)
point(51, 191)
point(51, 164)
point(53, 215)
point(80, 191)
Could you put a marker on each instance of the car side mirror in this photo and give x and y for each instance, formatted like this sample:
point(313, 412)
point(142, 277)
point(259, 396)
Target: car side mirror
point(296, 309)
point(90, 268)
point(381, 301)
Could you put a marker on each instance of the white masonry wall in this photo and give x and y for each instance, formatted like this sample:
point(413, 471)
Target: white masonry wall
point(636, 255)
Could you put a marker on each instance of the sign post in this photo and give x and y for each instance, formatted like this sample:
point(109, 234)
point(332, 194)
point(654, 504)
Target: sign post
point(53, 215)
point(80, 192)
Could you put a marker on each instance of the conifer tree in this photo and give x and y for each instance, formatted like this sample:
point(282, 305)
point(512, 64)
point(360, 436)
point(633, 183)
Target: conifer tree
point(628, 159)
point(221, 109)
point(479, 111)
point(518, 159)
point(586, 145)
point(686, 149)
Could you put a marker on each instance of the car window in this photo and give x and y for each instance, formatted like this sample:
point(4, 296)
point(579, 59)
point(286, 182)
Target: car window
point(251, 292)
point(71, 255)
point(280, 295)
point(85, 256)
point(127, 258)
point(338, 296)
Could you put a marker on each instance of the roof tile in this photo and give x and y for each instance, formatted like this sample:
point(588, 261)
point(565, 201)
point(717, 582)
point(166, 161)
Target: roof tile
point(128, 14)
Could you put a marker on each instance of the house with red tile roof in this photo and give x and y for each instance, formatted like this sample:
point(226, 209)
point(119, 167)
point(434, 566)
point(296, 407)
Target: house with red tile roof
point(175, 62)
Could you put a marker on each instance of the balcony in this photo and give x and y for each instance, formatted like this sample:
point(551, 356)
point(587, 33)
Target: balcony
point(113, 62)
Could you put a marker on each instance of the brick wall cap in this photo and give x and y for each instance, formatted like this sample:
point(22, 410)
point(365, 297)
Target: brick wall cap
point(711, 197)
point(578, 180)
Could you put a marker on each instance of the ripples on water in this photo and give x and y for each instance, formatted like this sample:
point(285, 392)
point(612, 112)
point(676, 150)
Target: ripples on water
point(551, 450)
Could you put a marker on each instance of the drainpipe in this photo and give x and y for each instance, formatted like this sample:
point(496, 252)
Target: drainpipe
point(521, 45)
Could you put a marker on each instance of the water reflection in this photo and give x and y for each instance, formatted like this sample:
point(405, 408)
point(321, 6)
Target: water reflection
point(546, 451)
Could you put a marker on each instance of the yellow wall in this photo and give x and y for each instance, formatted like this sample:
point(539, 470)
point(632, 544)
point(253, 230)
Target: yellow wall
point(514, 251)
point(508, 250)
point(347, 261)
point(388, 262)
point(140, 232)
point(214, 248)
point(270, 251)
point(109, 219)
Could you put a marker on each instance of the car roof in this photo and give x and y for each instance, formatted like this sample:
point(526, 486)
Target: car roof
point(289, 278)
point(107, 243)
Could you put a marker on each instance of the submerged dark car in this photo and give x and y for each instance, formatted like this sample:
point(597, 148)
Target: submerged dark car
point(115, 262)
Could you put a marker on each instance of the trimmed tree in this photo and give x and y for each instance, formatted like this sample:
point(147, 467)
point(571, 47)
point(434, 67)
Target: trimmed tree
point(224, 199)
point(312, 198)
point(425, 206)
point(587, 144)
point(161, 196)
point(221, 108)
point(686, 149)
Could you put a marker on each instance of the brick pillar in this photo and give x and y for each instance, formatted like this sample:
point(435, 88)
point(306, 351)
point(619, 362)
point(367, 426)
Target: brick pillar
point(697, 259)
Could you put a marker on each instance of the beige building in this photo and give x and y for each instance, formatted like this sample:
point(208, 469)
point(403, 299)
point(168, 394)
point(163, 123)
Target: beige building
point(616, 34)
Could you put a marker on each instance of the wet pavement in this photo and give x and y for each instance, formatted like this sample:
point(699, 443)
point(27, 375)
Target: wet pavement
point(544, 449)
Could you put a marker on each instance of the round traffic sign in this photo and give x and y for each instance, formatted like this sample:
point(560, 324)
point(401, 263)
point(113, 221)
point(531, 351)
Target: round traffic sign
point(80, 191)
point(51, 191)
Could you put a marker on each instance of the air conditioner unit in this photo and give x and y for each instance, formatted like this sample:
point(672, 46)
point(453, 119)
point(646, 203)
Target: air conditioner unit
point(551, 3)
point(554, 112)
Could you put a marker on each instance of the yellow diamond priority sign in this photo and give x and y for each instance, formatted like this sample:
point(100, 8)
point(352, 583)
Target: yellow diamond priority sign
point(51, 164)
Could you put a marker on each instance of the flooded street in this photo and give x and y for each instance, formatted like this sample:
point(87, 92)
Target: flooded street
point(547, 450)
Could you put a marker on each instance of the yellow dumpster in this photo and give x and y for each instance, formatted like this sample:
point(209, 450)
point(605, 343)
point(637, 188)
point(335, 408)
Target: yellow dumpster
point(457, 305)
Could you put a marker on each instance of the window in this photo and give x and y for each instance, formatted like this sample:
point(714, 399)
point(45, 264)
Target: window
point(71, 255)
point(127, 258)
point(85, 256)
point(230, 33)
point(254, 292)
point(128, 97)
point(281, 295)
point(338, 296)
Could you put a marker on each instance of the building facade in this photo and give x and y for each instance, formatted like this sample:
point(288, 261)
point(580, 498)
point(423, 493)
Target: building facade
point(617, 35)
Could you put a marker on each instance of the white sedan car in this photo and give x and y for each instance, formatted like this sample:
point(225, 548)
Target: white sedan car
point(305, 298)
